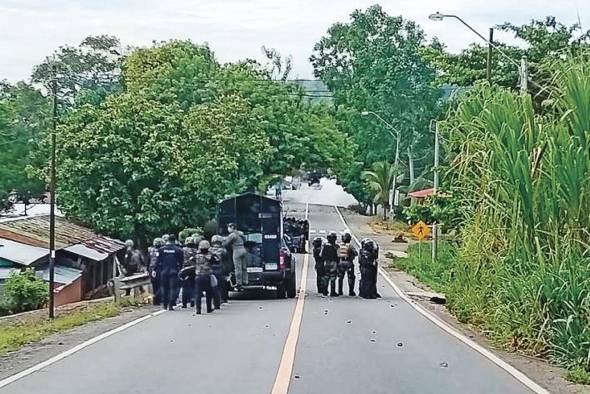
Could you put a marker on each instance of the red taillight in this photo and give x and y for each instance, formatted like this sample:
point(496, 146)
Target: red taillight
point(282, 260)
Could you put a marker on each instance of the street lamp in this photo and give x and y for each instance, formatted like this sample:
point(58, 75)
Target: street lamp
point(437, 17)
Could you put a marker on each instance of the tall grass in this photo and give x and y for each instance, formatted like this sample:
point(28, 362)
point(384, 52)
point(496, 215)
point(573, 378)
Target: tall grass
point(523, 266)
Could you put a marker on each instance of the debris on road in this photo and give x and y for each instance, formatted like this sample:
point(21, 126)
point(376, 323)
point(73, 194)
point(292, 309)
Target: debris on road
point(349, 321)
point(399, 344)
point(436, 298)
point(444, 365)
point(373, 340)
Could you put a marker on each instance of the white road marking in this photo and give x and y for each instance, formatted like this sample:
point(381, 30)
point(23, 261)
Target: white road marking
point(313, 231)
point(323, 231)
point(75, 349)
point(522, 378)
point(283, 378)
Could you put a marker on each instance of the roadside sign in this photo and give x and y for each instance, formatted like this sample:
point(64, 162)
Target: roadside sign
point(420, 230)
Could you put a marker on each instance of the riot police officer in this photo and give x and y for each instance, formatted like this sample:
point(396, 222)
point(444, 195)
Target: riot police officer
point(152, 271)
point(346, 256)
point(188, 276)
point(329, 256)
point(204, 260)
point(221, 271)
point(170, 260)
point(235, 240)
point(319, 264)
point(368, 267)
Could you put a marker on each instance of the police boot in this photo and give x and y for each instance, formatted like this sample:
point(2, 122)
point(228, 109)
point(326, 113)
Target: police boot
point(340, 286)
point(333, 289)
point(351, 288)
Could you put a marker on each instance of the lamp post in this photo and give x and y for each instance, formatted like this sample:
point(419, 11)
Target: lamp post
point(437, 17)
point(390, 129)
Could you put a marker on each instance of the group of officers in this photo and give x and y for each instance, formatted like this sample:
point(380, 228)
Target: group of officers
point(335, 261)
point(199, 267)
point(207, 267)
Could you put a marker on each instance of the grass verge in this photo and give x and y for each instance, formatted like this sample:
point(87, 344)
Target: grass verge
point(15, 335)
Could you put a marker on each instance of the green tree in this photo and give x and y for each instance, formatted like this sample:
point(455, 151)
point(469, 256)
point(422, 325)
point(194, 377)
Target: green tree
point(544, 41)
point(381, 180)
point(87, 72)
point(375, 62)
point(186, 133)
point(23, 121)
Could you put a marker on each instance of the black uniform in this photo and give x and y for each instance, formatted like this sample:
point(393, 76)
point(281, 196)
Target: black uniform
point(319, 264)
point(154, 275)
point(170, 262)
point(188, 277)
point(368, 259)
point(329, 257)
point(347, 254)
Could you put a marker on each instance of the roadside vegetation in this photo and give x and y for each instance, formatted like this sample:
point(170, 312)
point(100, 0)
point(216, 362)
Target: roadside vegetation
point(14, 335)
point(521, 267)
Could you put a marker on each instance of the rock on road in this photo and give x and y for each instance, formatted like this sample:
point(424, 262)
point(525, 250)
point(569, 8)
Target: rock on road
point(345, 345)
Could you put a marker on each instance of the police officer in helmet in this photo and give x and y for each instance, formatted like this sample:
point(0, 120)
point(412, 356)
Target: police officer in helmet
point(319, 264)
point(329, 256)
point(205, 279)
point(170, 260)
point(152, 269)
point(346, 256)
point(188, 276)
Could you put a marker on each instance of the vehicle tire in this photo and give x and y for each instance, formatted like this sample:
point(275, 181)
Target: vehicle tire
point(281, 292)
point(291, 286)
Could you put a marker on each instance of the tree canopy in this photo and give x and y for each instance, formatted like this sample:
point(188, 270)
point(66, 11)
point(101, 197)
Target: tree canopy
point(186, 132)
point(375, 63)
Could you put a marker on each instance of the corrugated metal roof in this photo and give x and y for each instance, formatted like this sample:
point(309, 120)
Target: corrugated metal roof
point(34, 231)
point(63, 275)
point(84, 251)
point(20, 253)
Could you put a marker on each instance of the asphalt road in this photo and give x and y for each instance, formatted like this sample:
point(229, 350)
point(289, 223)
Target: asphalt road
point(345, 345)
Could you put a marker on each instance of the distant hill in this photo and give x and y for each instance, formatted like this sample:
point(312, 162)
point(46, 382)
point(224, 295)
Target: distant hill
point(316, 90)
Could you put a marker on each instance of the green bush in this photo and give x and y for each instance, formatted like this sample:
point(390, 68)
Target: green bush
point(24, 291)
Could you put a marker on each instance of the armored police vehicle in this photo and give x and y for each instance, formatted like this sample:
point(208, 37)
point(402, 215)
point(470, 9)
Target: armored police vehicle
point(260, 218)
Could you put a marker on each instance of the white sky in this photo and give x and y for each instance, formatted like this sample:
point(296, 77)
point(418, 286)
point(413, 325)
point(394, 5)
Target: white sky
point(236, 29)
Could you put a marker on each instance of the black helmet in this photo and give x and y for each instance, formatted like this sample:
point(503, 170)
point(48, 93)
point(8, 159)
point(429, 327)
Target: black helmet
point(368, 244)
point(332, 236)
point(346, 237)
point(317, 242)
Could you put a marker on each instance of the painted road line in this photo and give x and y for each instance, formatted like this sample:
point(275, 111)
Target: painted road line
point(283, 378)
point(522, 378)
point(323, 231)
point(75, 349)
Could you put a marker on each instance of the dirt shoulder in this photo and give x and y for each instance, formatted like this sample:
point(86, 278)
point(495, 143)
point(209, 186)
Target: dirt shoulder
point(52, 345)
point(545, 374)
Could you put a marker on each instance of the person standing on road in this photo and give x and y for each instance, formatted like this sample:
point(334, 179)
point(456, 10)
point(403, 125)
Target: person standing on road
point(222, 271)
point(204, 260)
point(188, 276)
point(329, 256)
point(346, 256)
point(319, 264)
point(170, 260)
point(235, 241)
point(368, 268)
point(152, 269)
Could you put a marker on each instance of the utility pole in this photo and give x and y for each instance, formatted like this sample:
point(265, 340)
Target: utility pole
point(436, 174)
point(524, 75)
point(52, 197)
point(489, 62)
point(411, 165)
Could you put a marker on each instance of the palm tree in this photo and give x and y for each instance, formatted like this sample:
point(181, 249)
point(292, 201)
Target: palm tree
point(381, 180)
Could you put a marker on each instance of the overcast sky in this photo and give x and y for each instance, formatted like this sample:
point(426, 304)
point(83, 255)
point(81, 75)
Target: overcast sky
point(236, 29)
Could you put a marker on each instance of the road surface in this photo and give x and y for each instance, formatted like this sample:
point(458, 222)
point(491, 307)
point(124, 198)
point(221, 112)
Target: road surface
point(343, 345)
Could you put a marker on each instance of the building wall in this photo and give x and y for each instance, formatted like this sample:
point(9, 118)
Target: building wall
point(70, 293)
